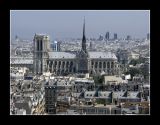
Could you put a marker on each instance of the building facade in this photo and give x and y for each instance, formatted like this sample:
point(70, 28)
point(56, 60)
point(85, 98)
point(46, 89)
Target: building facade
point(107, 36)
point(82, 61)
point(50, 99)
point(115, 36)
point(56, 46)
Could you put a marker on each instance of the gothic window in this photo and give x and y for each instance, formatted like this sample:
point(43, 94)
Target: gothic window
point(104, 64)
point(92, 63)
point(71, 64)
point(63, 64)
point(112, 65)
point(59, 64)
point(100, 64)
point(47, 62)
point(38, 45)
point(55, 62)
point(107, 64)
point(67, 64)
point(96, 64)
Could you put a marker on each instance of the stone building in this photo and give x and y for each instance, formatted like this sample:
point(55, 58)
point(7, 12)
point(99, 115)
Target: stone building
point(82, 61)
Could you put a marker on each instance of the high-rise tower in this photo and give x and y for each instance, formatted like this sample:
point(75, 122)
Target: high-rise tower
point(107, 36)
point(115, 36)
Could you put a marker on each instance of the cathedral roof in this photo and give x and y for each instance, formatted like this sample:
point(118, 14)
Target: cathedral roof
point(72, 55)
point(21, 61)
point(102, 55)
point(61, 55)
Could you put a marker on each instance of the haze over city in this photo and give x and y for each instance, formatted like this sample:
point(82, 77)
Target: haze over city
point(68, 24)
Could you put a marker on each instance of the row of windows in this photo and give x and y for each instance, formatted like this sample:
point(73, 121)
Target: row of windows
point(96, 111)
point(89, 94)
point(60, 62)
point(101, 111)
point(71, 63)
point(102, 94)
point(63, 71)
point(104, 64)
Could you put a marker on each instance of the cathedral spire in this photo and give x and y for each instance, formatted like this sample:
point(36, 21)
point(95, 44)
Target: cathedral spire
point(84, 28)
point(84, 38)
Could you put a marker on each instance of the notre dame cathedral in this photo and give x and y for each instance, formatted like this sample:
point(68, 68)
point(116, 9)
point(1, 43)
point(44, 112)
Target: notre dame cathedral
point(82, 61)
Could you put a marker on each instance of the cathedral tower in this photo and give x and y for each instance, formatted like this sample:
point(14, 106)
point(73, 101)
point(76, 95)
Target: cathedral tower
point(82, 56)
point(41, 48)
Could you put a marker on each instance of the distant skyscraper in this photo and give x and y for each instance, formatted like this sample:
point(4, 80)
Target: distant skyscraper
point(148, 36)
point(107, 36)
point(17, 40)
point(16, 37)
point(100, 38)
point(115, 36)
point(128, 37)
point(56, 46)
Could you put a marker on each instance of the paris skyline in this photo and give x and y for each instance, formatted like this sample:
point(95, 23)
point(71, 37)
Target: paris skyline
point(68, 24)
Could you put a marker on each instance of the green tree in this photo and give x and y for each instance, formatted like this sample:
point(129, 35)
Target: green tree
point(136, 61)
point(98, 79)
point(134, 71)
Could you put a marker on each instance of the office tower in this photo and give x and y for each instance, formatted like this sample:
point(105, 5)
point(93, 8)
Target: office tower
point(100, 38)
point(128, 37)
point(107, 36)
point(56, 46)
point(148, 36)
point(115, 36)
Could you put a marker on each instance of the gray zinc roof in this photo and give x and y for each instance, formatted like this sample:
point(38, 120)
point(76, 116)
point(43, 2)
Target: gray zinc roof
point(72, 55)
point(21, 61)
point(61, 55)
point(103, 55)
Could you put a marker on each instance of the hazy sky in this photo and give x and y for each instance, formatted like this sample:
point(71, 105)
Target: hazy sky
point(66, 24)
